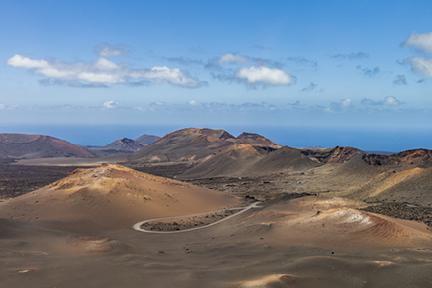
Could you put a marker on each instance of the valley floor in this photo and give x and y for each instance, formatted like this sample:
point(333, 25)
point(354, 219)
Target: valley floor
point(310, 232)
point(261, 248)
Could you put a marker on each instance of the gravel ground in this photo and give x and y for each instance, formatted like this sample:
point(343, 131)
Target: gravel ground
point(403, 210)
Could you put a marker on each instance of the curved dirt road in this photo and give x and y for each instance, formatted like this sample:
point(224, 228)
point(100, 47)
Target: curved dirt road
point(138, 226)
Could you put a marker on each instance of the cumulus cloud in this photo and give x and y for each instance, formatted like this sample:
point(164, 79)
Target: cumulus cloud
point(232, 58)
point(25, 62)
point(369, 71)
point(249, 70)
point(103, 72)
point(343, 104)
point(241, 60)
point(350, 56)
point(163, 74)
point(193, 103)
point(109, 104)
point(262, 75)
point(420, 41)
point(421, 65)
point(110, 51)
point(389, 101)
point(400, 80)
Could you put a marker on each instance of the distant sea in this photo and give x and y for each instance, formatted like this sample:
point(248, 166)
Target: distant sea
point(379, 140)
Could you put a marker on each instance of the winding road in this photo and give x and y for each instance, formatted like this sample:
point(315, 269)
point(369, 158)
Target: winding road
point(138, 226)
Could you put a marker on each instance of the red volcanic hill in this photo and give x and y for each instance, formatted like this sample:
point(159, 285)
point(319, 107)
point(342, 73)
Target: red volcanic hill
point(38, 146)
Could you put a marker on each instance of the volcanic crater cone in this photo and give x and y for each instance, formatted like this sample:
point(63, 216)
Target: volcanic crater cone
point(112, 196)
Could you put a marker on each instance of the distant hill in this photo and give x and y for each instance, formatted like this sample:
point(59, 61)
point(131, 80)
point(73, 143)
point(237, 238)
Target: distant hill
point(195, 144)
point(341, 154)
point(218, 153)
point(147, 139)
point(124, 145)
point(338, 154)
point(255, 139)
point(413, 157)
point(188, 144)
point(38, 146)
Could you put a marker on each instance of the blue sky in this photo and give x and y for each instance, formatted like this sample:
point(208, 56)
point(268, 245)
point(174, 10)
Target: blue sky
point(363, 64)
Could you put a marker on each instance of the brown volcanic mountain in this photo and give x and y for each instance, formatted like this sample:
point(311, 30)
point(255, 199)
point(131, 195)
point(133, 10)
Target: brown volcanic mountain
point(216, 153)
point(285, 158)
point(38, 146)
point(255, 139)
point(234, 160)
point(147, 139)
point(338, 154)
point(413, 157)
point(191, 144)
point(248, 160)
point(124, 145)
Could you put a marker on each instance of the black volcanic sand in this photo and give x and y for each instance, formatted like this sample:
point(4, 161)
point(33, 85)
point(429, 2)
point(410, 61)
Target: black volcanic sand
point(225, 255)
point(16, 180)
point(403, 210)
point(182, 223)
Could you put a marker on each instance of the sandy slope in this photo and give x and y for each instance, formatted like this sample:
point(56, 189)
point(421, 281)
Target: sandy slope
point(334, 223)
point(112, 196)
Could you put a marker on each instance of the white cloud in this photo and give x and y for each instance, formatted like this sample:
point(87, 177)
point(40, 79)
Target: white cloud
point(109, 104)
point(420, 41)
point(339, 106)
point(109, 51)
point(165, 74)
point(102, 73)
point(20, 61)
point(232, 58)
point(105, 64)
point(391, 101)
point(421, 65)
point(345, 103)
point(193, 103)
point(263, 75)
